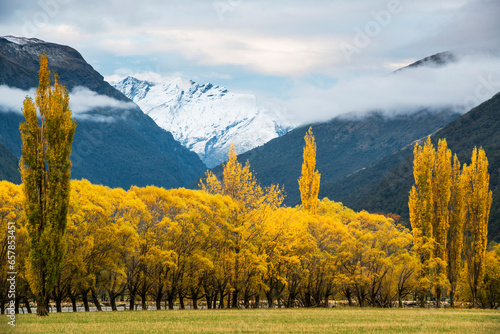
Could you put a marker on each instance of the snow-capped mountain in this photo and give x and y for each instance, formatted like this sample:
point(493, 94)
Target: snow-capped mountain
point(206, 118)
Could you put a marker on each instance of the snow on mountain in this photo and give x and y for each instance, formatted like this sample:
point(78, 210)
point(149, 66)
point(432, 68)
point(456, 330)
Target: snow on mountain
point(206, 118)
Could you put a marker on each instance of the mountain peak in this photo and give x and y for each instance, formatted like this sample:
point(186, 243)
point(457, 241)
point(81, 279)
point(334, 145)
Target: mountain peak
point(206, 118)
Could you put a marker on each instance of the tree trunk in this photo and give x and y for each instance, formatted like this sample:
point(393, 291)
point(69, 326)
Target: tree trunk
point(221, 303)
point(422, 300)
point(348, 295)
point(41, 305)
point(400, 302)
point(73, 302)
point(27, 304)
point(270, 298)
point(232, 299)
point(132, 302)
point(170, 298)
point(246, 300)
point(257, 301)
point(214, 300)
point(181, 301)
point(95, 300)
point(58, 305)
point(307, 299)
point(112, 302)
point(16, 304)
point(438, 298)
point(194, 297)
point(209, 301)
point(144, 304)
point(452, 298)
point(85, 302)
point(158, 300)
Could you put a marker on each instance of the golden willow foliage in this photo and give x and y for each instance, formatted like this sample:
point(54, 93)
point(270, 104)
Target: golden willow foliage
point(310, 178)
point(159, 245)
point(45, 172)
point(232, 244)
point(449, 206)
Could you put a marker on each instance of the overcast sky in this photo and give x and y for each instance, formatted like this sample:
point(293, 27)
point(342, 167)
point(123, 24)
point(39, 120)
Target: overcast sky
point(301, 53)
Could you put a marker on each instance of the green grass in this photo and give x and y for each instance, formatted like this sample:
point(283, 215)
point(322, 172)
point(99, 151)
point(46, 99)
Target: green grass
point(340, 320)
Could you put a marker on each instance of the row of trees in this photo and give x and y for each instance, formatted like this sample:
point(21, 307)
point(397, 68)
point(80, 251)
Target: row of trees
point(232, 244)
point(449, 210)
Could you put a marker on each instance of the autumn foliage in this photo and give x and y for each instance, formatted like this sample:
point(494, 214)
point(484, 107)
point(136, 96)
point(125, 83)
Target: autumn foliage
point(233, 244)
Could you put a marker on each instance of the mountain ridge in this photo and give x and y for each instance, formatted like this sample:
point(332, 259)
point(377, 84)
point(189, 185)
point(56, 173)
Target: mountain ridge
point(344, 146)
point(114, 146)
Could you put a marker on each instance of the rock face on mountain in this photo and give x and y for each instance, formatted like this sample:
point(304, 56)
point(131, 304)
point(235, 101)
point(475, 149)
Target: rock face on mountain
point(115, 143)
point(205, 118)
point(344, 146)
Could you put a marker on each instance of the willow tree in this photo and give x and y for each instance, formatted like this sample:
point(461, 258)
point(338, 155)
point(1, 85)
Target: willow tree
point(45, 171)
point(310, 178)
point(254, 202)
point(478, 197)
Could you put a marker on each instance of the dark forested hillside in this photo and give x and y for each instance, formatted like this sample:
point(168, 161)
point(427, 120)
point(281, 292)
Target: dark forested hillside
point(344, 146)
point(384, 187)
point(8, 166)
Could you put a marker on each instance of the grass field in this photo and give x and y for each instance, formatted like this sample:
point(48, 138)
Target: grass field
point(340, 320)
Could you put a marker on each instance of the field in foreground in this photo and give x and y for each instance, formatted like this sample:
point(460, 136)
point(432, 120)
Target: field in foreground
point(346, 320)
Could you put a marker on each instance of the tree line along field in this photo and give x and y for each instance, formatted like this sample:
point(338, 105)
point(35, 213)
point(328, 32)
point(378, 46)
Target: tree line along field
point(232, 245)
point(314, 320)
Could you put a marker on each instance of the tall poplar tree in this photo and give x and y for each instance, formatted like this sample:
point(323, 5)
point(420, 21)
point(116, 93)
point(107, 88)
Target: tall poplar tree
point(478, 197)
point(45, 171)
point(310, 178)
point(456, 230)
point(422, 211)
point(430, 213)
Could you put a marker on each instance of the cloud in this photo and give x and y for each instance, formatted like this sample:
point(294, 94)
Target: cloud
point(82, 101)
point(11, 99)
point(263, 53)
point(458, 86)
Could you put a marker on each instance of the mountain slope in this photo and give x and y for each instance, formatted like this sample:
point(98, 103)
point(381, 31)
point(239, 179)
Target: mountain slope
point(8, 166)
point(344, 146)
point(385, 186)
point(115, 143)
point(207, 119)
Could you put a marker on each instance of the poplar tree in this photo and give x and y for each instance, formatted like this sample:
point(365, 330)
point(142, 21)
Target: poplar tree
point(441, 223)
point(456, 229)
point(45, 171)
point(421, 209)
point(479, 199)
point(310, 178)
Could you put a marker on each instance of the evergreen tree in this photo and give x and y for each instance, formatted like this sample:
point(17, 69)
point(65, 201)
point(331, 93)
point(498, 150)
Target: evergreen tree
point(310, 178)
point(45, 171)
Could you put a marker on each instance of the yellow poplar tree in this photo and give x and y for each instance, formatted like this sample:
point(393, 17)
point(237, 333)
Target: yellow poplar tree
point(310, 178)
point(45, 171)
point(479, 199)
point(441, 223)
point(456, 230)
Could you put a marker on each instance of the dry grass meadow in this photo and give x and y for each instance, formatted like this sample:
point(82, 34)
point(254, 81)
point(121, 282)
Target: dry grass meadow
point(340, 320)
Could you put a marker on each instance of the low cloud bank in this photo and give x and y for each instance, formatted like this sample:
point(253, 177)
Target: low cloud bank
point(82, 101)
point(459, 86)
